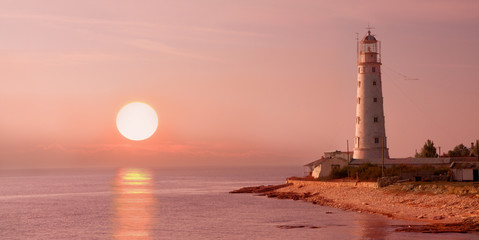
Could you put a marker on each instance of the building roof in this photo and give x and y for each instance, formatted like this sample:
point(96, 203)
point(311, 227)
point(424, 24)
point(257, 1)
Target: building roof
point(464, 159)
point(315, 163)
point(464, 163)
point(319, 161)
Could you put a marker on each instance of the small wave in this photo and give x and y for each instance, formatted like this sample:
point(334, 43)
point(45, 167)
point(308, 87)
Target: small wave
point(46, 195)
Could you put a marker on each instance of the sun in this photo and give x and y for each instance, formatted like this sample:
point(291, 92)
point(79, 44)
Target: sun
point(137, 121)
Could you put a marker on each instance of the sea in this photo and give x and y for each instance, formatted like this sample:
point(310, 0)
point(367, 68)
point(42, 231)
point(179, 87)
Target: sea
point(174, 203)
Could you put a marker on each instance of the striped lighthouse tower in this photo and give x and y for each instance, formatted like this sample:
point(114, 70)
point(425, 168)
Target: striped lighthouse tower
point(370, 138)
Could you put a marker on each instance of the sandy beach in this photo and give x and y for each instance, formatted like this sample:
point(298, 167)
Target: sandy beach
point(422, 206)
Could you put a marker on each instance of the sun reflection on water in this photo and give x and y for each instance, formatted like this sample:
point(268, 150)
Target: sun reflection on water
point(134, 204)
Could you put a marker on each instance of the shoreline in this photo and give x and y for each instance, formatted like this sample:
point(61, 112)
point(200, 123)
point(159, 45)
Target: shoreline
point(442, 212)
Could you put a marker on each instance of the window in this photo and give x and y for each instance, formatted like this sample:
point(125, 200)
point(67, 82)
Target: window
point(375, 119)
point(376, 140)
point(359, 70)
point(335, 166)
point(358, 141)
point(374, 83)
point(359, 83)
point(358, 119)
point(374, 69)
point(359, 100)
point(375, 99)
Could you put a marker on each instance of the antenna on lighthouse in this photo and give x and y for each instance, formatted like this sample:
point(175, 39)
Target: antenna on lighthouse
point(357, 47)
point(369, 29)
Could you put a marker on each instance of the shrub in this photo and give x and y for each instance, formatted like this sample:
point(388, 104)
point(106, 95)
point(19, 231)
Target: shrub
point(365, 172)
point(441, 171)
point(371, 172)
point(339, 173)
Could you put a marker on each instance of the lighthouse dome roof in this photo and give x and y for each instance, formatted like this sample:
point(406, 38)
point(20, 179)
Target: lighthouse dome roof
point(369, 37)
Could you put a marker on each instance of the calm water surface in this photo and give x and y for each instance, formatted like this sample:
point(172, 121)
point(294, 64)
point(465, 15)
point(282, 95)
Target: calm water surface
point(130, 203)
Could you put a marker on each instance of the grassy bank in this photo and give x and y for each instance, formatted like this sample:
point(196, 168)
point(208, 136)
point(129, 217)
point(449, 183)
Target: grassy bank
point(457, 188)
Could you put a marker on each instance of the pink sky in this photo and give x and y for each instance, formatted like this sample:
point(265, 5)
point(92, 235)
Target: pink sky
point(233, 82)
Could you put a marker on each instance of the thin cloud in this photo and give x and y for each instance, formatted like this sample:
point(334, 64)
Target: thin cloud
point(231, 32)
point(65, 19)
point(156, 46)
point(98, 21)
point(61, 58)
point(141, 43)
point(192, 149)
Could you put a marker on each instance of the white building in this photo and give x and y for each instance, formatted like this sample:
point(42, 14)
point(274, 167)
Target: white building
point(370, 138)
point(323, 167)
point(465, 169)
point(327, 165)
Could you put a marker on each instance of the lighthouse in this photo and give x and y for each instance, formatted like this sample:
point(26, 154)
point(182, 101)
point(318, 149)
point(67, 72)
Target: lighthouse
point(370, 138)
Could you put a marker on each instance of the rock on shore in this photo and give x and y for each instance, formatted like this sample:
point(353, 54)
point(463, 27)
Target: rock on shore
point(260, 189)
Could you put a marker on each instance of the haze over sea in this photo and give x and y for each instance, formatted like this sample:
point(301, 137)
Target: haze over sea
point(180, 203)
